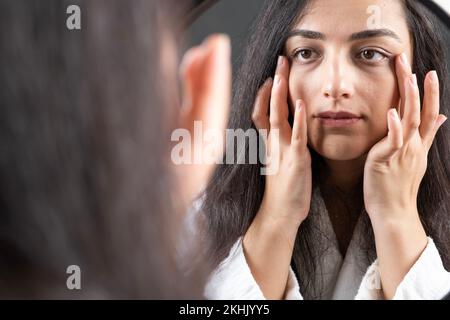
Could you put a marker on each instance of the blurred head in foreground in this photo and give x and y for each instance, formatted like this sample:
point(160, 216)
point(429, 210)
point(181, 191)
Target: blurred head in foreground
point(86, 177)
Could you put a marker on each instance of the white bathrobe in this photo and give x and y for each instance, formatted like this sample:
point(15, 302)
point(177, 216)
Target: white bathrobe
point(343, 278)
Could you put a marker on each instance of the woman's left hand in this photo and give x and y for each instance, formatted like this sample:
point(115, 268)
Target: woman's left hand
point(396, 165)
point(393, 172)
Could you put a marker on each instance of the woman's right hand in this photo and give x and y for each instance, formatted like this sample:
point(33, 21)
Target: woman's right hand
point(269, 242)
point(287, 194)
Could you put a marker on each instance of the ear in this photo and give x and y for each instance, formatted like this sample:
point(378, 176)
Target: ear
point(206, 79)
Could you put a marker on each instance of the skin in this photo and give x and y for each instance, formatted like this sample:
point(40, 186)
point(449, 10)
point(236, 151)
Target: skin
point(205, 73)
point(340, 77)
point(389, 151)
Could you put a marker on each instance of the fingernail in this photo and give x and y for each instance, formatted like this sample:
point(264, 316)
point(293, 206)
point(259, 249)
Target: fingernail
point(268, 81)
point(404, 58)
point(442, 120)
point(393, 114)
point(277, 79)
point(280, 61)
point(434, 76)
point(298, 105)
point(414, 79)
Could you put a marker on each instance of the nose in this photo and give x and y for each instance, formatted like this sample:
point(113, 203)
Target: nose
point(338, 83)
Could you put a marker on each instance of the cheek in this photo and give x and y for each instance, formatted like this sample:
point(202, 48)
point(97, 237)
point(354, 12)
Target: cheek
point(305, 86)
point(375, 92)
point(379, 92)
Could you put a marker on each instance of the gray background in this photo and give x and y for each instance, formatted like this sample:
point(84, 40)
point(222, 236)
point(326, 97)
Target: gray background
point(232, 17)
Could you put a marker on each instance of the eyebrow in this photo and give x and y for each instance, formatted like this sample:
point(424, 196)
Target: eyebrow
point(306, 34)
point(373, 33)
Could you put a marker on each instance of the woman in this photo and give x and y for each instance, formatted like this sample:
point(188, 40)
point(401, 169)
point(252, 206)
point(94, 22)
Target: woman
point(85, 172)
point(373, 185)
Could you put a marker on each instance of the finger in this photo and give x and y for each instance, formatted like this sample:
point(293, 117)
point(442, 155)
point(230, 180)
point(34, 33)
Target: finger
point(430, 108)
point(283, 67)
point(278, 101)
point(403, 71)
point(299, 128)
point(437, 125)
point(395, 134)
point(394, 141)
point(411, 117)
point(260, 115)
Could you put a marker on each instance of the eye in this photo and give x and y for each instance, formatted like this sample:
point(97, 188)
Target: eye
point(305, 55)
point(371, 55)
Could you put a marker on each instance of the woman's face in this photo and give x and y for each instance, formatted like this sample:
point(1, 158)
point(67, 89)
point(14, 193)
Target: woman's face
point(337, 64)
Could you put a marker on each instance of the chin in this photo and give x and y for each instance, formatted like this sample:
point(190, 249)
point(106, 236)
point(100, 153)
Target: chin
point(340, 151)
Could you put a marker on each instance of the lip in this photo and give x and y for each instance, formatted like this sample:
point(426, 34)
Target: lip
point(330, 122)
point(337, 115)
point(338, 119)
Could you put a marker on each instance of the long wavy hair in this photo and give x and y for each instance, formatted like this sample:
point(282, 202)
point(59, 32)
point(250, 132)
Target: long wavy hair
point(234, 195)
point(84, 177)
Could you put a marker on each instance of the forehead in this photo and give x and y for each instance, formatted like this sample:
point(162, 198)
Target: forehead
point(340, 18)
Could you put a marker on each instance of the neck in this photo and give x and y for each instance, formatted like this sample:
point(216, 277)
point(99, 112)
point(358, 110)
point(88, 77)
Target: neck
point(346, 175)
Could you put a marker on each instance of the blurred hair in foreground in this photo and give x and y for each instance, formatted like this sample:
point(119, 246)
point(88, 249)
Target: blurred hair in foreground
point(83, 165)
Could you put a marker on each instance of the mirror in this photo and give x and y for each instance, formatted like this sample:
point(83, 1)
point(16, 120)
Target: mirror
point(235, 18)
